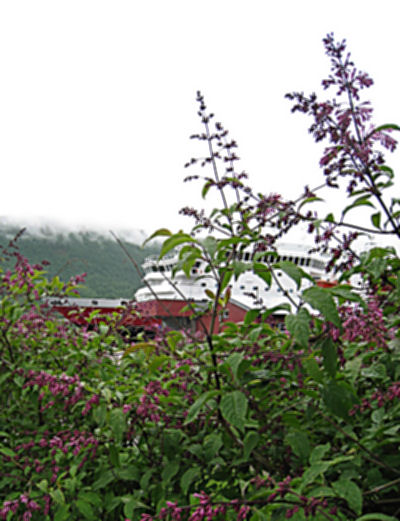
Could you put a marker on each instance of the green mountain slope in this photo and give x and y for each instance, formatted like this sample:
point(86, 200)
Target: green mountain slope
point(110, 274)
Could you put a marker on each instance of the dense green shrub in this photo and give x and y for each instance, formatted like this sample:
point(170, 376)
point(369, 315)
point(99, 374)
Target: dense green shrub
point(248, 423)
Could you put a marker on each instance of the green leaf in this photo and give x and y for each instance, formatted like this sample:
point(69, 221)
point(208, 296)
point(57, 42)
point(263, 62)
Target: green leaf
point(346, 293)
point(249, 443)
point(7, 452)
point(250, 316)
point(321, 299)
point(118, 424)
point(174, 241)
point(376, 220)
point(361, 201)
point(114, 456)
point(188, 477)
point(62, 513)
point(339, 398)
point(299, 443)
point(239, 267)
point(234, 408)
point(170, 470)
point(317, 469)
point(262, 271)
point(293, 271)
point(349, 491)
point(85, 509)
point(234, 360)
point(195, 408)
point(211, 446)
point(299, 326)
point(319, 452)
point(206, 188)
point(387, 126)
point(376, 517)
point(129, 473)
point(162, 232)
point(310, 200)
point(106, 478)
point(313, 369)
point(329, 355)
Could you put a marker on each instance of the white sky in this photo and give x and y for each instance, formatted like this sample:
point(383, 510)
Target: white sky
point(97, 98)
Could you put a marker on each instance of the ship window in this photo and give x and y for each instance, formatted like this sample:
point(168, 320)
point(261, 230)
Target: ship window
point(161, 269)
point(284, 258)
point(247, 256)
point(242, 287)
point(308, 261)
point(255, 288)
point(154, 268)
point(197, 264)
point(203, 284)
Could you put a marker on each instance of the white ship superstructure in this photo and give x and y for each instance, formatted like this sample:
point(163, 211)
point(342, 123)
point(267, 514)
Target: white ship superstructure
point(249, 289)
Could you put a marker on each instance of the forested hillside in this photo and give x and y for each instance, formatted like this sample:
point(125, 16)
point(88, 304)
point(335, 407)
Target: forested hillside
point(109, 271)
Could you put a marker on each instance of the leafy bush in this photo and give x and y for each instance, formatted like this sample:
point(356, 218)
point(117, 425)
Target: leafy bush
point(249, 422)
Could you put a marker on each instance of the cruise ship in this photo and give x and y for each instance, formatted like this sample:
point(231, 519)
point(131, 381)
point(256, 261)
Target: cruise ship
point(249, 290)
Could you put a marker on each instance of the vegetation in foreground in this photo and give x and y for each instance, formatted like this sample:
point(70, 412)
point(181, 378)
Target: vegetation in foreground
point(109, 272)
point(250, 423)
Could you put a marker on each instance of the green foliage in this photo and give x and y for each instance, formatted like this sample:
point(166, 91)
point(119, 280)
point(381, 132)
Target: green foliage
point(245, 421)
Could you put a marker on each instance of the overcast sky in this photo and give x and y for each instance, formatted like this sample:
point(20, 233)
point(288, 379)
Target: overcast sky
point(97, 98)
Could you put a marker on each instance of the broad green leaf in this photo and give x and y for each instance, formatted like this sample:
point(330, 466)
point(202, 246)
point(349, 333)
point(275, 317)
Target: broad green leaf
point(239, 267)
point(376, 517)
point(85, 509)
point(62, 513)
point(211, 445)
point(262, 271)
point(293, 271)
point(319, 452)
point(174, 241)
point(7, 452)
point(250, 316)
point(346, 293)
point(234, 360)
point(210, 244)
point(321, 299)
point(249, 443)
point(376, 219)
point(233, 407)
point(299, 443)
point(349, 491)
point(114, 456)
point(146, 346)
point(118, 423)
point(338, 398)
point(188, 477)
point(195, 408)
point(317, 469)
point(361, 201)
point(129, 473)
point(169, 471)
point(299, 326)
point(310, 200)
point(329, 355)
point(313, 369)
point(105, 478)
point(162, 232)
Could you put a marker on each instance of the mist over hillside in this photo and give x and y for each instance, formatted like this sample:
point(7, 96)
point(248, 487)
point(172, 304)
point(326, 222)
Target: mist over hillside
point(110, 273)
